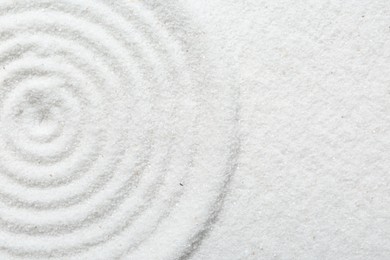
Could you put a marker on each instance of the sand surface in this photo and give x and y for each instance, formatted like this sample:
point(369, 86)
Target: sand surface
point(202, 129)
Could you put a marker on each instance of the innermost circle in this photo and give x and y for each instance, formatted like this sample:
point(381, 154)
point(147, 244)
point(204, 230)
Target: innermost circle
point(38, 108)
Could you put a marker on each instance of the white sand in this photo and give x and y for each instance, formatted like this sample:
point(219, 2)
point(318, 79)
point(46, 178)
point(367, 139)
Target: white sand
point(194, 129)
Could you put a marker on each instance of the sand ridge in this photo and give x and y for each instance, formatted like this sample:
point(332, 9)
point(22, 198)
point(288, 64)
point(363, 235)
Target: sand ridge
point(116, 141)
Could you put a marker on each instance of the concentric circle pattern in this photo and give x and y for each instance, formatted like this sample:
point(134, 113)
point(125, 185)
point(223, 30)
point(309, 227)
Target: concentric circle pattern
point(116, 139)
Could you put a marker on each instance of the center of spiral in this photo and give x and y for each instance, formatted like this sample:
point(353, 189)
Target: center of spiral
point(37, 111)
point(39, 107)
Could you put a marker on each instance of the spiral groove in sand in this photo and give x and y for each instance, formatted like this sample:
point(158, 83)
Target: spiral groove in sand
point(104, 119)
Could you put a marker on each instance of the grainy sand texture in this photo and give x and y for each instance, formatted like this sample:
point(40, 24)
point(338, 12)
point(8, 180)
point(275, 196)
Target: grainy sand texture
point(145, 129)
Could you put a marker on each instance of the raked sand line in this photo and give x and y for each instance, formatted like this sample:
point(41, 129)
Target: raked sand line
point(116, 140)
